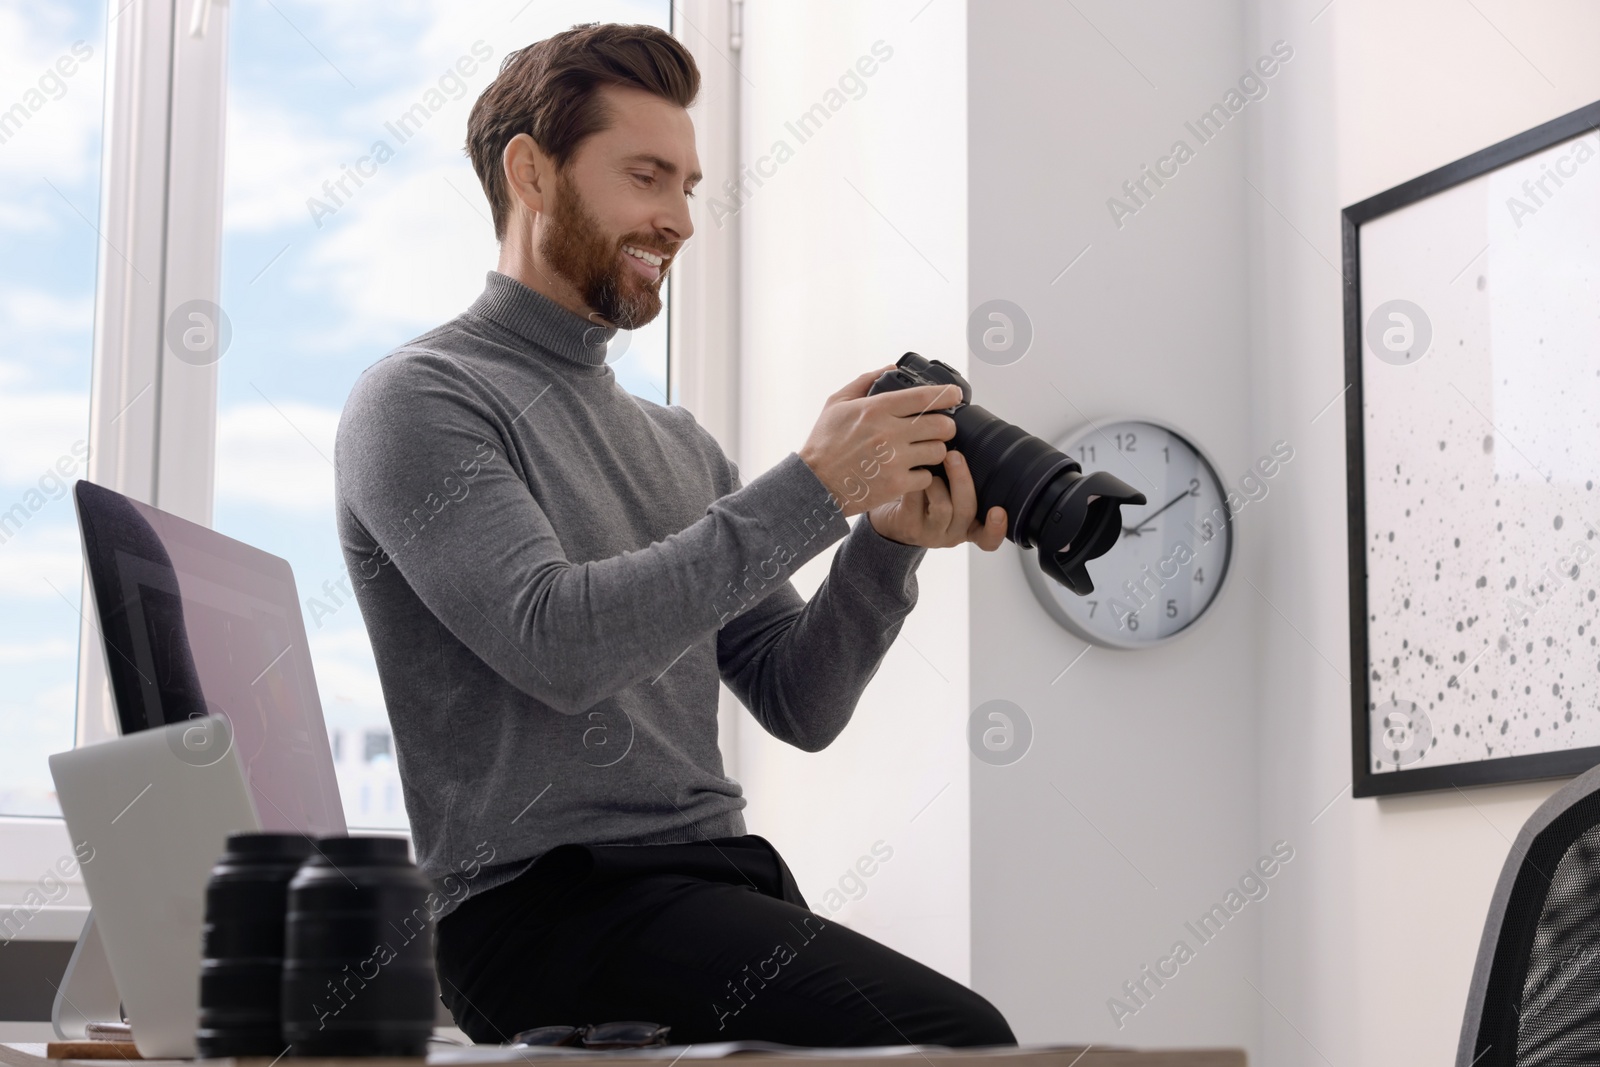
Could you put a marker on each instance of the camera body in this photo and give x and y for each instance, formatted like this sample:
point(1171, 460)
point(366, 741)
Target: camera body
point(1050, 503)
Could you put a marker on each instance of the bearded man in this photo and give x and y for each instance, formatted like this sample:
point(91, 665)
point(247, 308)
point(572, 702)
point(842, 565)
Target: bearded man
point(555, 576)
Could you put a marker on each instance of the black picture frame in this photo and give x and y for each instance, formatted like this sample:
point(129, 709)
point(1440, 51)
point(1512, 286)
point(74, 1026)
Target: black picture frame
point(1365, 781)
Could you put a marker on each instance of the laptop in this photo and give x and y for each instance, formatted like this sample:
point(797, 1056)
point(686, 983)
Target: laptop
point(151, 812)
point(194, 623)
point(210, 672)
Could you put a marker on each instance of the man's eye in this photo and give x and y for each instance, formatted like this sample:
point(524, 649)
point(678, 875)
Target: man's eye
point(689, 193)
point(645, 178)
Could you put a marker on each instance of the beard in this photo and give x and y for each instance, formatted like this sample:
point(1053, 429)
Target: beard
point(575, 246)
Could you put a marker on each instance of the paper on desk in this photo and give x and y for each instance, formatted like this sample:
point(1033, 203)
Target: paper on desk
point(711, 1051)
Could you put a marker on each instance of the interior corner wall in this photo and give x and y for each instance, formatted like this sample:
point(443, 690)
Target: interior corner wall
point(1370, 940)
point(853, 250)
point(1136, 808)
point(1155, 777)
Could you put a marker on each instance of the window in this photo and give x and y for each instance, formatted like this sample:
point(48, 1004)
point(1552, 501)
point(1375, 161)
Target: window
point(52, 79)
point(116, 211)
point(352, 222)
point(132, 180)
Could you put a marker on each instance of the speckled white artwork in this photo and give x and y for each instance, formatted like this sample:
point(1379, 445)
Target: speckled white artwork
point(1482, 478)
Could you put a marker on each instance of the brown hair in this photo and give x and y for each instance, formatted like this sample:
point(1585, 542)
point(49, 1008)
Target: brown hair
point(549, 91)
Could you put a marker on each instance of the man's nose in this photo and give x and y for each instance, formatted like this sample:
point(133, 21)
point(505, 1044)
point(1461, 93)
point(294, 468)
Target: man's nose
point(676, 225)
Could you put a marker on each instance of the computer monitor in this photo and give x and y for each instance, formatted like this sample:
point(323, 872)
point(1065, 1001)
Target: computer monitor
point(195, 623)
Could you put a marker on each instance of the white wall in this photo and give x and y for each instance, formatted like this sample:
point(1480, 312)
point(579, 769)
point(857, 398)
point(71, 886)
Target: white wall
point(1218, 307)
point(854, 251)
point(1369, 950)
point(1136, 808)
point(987, 147)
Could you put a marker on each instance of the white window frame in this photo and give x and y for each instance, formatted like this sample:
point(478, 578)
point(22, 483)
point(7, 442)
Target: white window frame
point(152, 417)
point(703, 320)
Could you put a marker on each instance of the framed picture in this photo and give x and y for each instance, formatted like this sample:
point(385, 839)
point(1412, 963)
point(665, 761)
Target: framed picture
point(1472, 355)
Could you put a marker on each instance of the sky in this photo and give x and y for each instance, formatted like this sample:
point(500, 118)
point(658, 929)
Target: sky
point(316, 287)
point(49, 190)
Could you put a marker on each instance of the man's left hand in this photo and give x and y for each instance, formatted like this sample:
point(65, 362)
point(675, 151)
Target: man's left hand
point(942, 515)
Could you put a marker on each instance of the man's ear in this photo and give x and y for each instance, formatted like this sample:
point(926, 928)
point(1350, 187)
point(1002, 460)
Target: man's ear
point(528, 172)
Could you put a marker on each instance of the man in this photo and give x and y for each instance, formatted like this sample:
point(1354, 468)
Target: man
point(555, 574)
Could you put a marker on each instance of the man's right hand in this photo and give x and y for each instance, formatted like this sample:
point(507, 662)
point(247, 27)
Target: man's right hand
point(864, 448)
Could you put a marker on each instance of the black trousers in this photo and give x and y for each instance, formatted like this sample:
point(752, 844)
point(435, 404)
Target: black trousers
point(712, 938)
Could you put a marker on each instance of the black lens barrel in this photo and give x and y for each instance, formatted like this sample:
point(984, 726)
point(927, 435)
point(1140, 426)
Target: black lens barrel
point(242, 948)
point(358, 953)
point(317, 948)
point(1008, 464)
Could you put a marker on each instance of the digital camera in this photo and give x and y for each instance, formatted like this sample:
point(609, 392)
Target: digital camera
point(1050, 504)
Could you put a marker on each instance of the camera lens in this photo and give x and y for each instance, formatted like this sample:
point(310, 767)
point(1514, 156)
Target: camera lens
point(242, 966)
point(358, 955)
point(1050, 503)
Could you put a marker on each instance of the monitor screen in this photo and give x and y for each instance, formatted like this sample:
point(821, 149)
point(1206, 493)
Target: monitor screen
point(196, 624)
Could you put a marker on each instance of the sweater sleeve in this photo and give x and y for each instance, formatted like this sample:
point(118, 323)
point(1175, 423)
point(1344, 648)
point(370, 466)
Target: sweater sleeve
point(801, 666)
point(421, 467)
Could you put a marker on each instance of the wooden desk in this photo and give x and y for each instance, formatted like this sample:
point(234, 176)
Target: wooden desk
point(32, 1055)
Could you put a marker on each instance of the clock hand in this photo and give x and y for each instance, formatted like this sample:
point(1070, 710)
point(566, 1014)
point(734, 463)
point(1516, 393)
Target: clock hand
point(1135, 531)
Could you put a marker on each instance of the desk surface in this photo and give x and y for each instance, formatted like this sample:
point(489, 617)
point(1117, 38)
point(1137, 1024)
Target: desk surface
point(26, 1054)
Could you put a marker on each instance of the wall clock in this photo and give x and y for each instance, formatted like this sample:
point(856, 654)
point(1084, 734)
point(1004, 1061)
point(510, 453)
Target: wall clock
point(1170, 562)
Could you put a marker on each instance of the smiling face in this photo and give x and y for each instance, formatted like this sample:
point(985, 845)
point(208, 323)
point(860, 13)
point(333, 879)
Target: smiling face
point(607, 227)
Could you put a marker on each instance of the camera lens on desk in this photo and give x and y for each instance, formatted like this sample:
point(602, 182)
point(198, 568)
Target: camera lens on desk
point(241, 972)
point(358, 958)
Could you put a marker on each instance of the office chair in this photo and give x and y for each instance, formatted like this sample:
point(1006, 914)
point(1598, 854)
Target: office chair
point(1535, 995)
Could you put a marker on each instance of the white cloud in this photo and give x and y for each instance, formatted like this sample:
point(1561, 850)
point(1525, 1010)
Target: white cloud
point(279, 156)
point(405, 251)
point(39, 721)
point(40, 429)
point(34, 651)
point(278, 456)
point(41, 556)
point(274, 160)
point(412, 254)
point(349, 689)
point(60, 140)
point(22, 217)
point(42, 311)
point(49, 333)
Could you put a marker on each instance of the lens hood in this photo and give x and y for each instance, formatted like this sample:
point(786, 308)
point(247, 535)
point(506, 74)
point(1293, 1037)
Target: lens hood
point(1082, 523)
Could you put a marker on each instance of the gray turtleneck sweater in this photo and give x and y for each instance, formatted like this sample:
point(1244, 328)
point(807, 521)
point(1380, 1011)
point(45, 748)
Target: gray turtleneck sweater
point(555, 573)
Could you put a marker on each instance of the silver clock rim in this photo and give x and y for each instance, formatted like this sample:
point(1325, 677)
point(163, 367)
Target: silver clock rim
point(1041, 585)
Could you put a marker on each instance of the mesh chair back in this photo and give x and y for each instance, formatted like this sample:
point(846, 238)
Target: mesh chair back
point(1535, 996)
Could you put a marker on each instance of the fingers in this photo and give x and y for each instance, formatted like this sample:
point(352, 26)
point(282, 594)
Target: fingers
point(919, 399)
point(859, 385)
point(921, 454)
point(918, 481)
point(930, 427)
point(940, 510)
point(963, 494)
point(993, 531)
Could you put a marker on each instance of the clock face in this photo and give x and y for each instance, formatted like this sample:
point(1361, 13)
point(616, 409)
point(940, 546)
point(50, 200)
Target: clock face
point(1168, 565)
